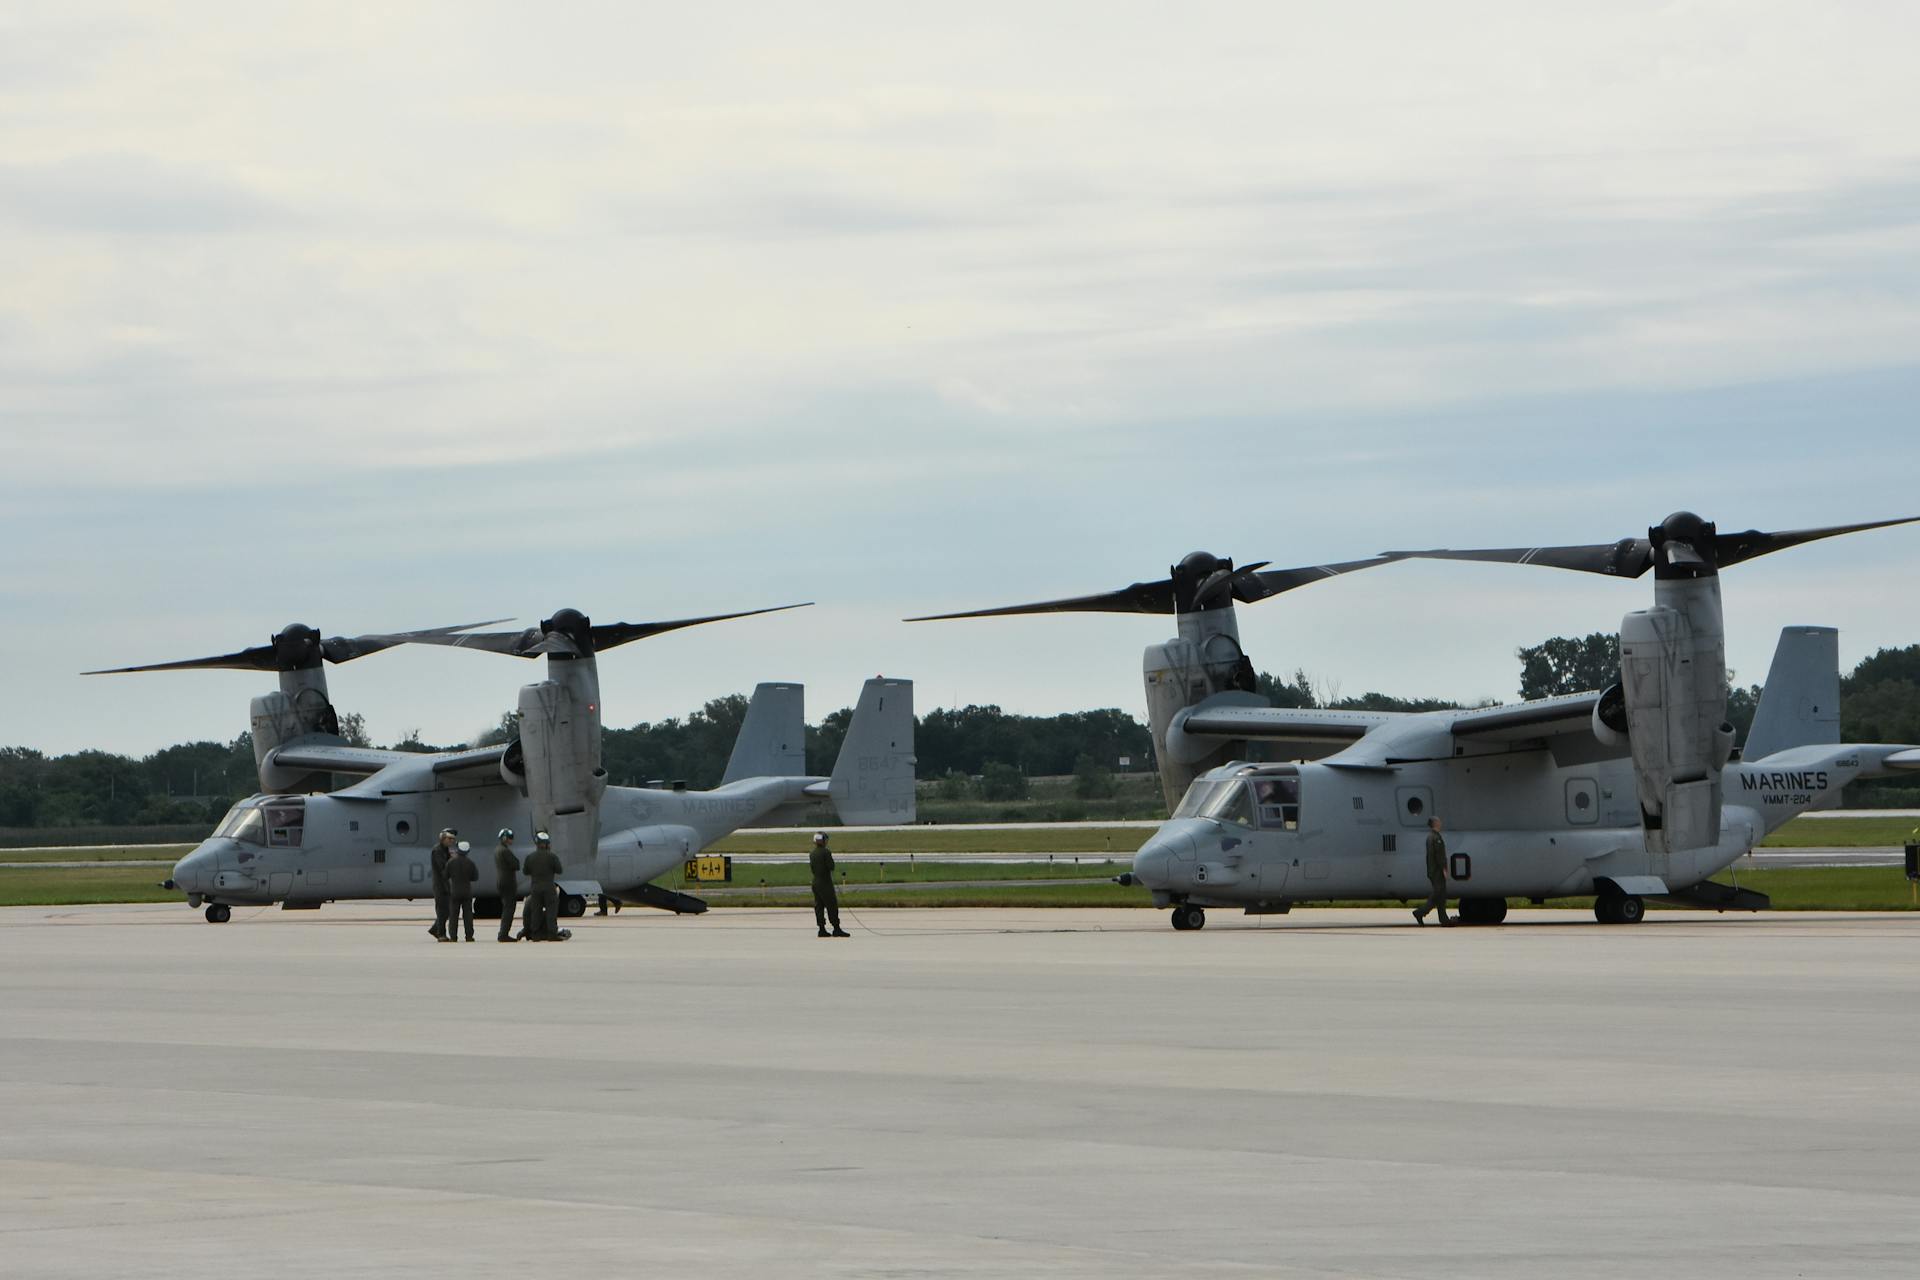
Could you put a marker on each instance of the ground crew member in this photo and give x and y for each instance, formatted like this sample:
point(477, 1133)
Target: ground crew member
point(461, 873)
point(1436, 875)
point(506, 873)
point(543, 898)
point(604, 900)
point(826, 903)
point(442, 851)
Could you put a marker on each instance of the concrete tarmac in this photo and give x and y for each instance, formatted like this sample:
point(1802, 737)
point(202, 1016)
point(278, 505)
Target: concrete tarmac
point(958, 1093)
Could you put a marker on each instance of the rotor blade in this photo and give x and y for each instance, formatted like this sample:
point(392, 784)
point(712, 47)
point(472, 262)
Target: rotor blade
point(515, 644)
point(1627, 558)
point(1251, 588)
point(610, 634)
point(258, 658)
point(347, 648)
point(265, 657)
point(1141, 597)
point(1732, 548)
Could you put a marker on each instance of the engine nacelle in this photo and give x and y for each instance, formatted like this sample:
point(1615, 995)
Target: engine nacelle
point(1205, 660)
point(1673, 671)
point(300, 709)
point(560, 755)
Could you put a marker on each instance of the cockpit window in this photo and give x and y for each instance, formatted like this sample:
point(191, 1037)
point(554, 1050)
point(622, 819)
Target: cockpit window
point(246, 826)
point(286, 820)
point(1229, 803)
point(1277, 801)
point(232, 820)
point(1196, 798)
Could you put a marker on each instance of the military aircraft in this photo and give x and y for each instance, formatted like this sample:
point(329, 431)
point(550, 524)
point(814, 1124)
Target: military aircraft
point(300, 845)
point(1618, 793)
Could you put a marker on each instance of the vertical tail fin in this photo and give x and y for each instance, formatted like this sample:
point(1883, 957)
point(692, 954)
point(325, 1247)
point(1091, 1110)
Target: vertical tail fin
point(1800, 706)
point(773, 737)
point(872, 783)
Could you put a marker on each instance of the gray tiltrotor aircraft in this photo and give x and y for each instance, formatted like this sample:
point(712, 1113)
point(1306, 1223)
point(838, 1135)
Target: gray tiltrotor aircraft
point(294, 845)
point(1627, 793)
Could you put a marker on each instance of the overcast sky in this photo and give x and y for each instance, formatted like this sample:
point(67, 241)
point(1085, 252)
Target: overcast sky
point(384, 317)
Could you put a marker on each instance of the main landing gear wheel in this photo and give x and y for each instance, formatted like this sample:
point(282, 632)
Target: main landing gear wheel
point(219, 913)
point(1619, 908)
point(1482, 910)
point(1185, 917)
point(572, 905)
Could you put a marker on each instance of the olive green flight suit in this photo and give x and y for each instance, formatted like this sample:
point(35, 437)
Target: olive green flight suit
point(506, 871)
point(461, 873)
point(1436, 879)
point(442, 900)
point(543, 898)
point(826, 903)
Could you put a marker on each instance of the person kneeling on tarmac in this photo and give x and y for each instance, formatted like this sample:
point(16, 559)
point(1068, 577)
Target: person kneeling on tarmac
point(543, 896)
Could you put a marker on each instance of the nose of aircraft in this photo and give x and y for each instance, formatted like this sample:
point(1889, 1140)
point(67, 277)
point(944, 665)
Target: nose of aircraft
point(194, 873)
point(1154, 864)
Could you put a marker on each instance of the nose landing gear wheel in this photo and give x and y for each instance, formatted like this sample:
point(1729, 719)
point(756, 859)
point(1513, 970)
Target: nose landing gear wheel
point(1189, 918)
point(219, 913)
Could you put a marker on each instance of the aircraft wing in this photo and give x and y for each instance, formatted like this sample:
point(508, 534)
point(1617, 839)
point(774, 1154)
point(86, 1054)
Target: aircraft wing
point(338, 758)
point(1543, 718)
point(1301, 725)
point(475, 758)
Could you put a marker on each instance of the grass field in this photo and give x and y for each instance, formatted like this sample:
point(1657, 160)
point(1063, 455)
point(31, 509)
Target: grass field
point(1851, 833)
point(784, 885)
point(1114, 841)
point(59, 886)
point(1101, 840)
point(912, 857)
point(128, 853)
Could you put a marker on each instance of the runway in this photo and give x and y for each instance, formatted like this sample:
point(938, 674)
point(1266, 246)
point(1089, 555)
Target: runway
point(958, 1093)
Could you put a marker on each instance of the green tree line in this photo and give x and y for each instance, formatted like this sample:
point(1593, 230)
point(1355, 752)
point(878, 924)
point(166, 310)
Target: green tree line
point(979, 751)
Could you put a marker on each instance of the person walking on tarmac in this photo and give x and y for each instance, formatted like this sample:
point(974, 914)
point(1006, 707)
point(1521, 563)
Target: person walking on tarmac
point(1436, 875)
point(442, 899)
point(543, 897)
point(506, 873)
point(461, 873)
point(826, 903)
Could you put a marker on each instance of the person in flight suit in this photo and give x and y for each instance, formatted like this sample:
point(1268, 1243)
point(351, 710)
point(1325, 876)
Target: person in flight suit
point(1436, 875)
point(461, 873)
point(826, 903)
point(543, 898)
point(442, 851)
point(506, 873)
